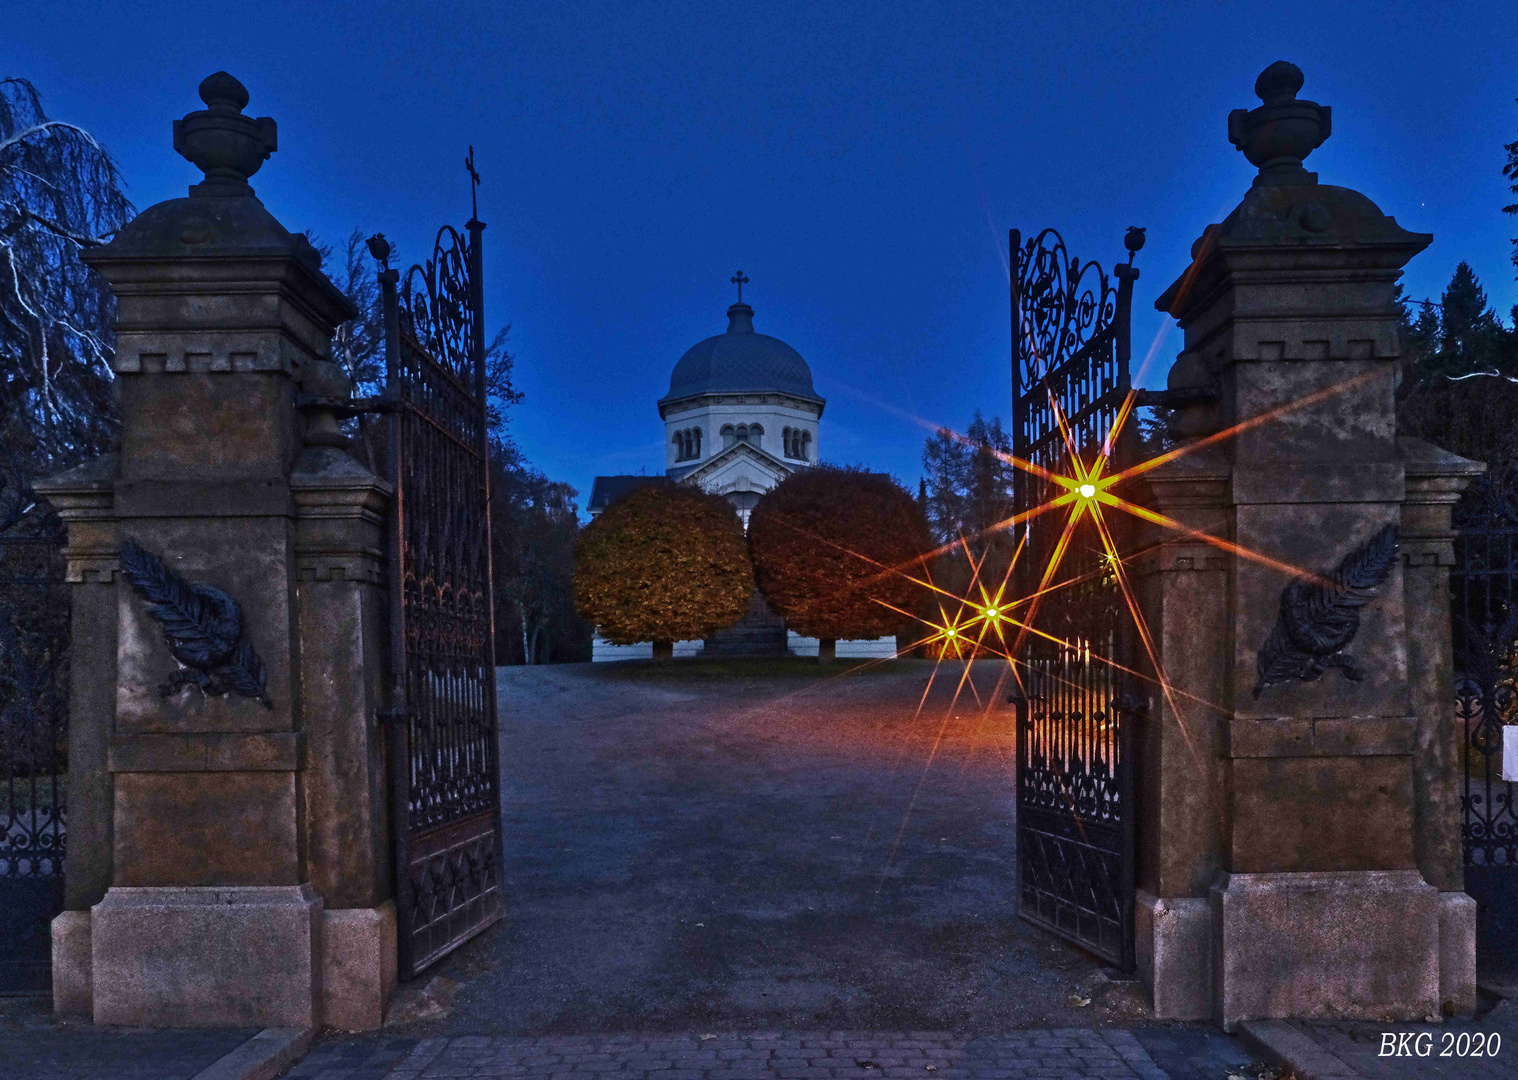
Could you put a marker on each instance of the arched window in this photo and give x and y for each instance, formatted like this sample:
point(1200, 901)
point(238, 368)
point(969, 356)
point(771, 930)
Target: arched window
point(696, 445)
point(806, 446)
point(742, 433)
point(728, 435)
point(756, 434)
point(679, 445)
point(785, 442)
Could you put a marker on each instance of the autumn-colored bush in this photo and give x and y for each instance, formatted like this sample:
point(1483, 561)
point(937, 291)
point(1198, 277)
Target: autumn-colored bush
point(664, 563)
point(834, 552)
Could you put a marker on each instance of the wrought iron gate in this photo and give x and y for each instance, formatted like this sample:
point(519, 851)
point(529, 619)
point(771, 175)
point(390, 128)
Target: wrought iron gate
point(444, 768)
point(34, 638)
point(1484, 610)
point(1075, 821)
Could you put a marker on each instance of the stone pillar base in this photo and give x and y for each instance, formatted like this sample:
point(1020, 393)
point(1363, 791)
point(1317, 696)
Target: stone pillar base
point(72, 982)
point(1361, 945)
point(233, 956)
point(1173, 939)
point(1457, 953)
point(358, 966)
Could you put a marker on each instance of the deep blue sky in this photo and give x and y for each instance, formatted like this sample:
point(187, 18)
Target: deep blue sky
point(861, 162)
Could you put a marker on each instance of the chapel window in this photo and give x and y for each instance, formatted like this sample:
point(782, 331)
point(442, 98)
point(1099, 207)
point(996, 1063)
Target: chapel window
point(756, 434)
point(806, 446)
point(696, 442)
point(729, 436)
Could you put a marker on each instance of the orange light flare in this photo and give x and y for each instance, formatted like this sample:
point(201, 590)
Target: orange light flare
point(980, 622)
point(1245, 425)
point(958, 632)
point(1121, 574)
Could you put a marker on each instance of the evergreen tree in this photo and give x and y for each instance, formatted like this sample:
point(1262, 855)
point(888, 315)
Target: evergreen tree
point(945, 464)
point(968, 481)
point(988, 487)
point(1460, 335)
point(1510, 170)
point(1471, 337)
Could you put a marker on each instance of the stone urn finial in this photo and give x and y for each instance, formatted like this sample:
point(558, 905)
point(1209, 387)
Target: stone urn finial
point(223, 143)
point(1279, 134)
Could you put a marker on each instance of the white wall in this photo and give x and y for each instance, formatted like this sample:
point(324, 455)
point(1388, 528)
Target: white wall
point(871, 648)
point(602, 650)
point(711, 414)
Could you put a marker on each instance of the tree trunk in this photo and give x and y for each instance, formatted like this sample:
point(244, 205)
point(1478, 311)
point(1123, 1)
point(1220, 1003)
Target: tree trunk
point(827, 650)
point(664, 652)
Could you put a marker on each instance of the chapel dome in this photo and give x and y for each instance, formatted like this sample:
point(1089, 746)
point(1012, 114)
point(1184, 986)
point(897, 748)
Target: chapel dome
point(741, 361)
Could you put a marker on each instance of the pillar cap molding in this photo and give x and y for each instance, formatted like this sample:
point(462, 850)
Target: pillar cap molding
point(1287, 221)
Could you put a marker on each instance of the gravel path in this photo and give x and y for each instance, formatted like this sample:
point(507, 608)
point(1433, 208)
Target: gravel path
point(690, 853)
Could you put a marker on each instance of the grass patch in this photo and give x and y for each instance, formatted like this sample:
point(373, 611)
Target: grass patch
point(747, 667)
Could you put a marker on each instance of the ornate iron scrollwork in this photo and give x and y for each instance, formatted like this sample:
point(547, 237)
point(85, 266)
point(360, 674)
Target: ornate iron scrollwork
point(203, 626)
point(1074, 732)
point(34, 666)
point(1319, 619)
point(1484, 609)
point(1064, 305)
point(436, 305)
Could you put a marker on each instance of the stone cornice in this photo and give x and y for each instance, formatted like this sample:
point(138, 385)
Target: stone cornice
point(697, 401)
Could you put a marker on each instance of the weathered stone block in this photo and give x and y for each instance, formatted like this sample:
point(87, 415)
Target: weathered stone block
point(1295, 814)
point(1355, 945)
point(207, 957)
point(1174, 953)
point(358, 966)
point(207, 829)
point(1457, 953)
point(73, 985)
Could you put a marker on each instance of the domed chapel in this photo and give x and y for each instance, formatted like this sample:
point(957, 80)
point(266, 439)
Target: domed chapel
point(741, 415)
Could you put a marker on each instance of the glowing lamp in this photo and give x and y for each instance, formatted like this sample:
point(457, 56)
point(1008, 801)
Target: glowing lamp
point(1087, 490)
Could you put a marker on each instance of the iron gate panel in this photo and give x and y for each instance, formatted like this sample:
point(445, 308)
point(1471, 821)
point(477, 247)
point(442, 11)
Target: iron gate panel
point(1484, 610)
point(1075, 819)
point(34, 628)
point(445, 774)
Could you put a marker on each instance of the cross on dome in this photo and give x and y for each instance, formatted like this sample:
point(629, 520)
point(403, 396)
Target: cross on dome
point(739, 280)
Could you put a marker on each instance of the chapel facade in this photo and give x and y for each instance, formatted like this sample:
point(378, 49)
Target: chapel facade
point(740, 416)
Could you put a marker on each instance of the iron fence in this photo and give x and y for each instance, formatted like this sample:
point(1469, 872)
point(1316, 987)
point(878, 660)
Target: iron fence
point(34, 638)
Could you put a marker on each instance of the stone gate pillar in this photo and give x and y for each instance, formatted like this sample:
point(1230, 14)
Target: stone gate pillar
point(228, 860)
point(1298, 818)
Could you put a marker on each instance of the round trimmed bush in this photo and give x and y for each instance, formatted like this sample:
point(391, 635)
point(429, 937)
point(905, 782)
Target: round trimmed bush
point(664, 563)
point(832, 550)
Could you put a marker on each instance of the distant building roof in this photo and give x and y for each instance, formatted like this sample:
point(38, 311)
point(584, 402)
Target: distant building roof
point(741, 360)
point(608, 489)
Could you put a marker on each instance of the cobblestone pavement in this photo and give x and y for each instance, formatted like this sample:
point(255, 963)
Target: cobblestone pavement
point(1043, 1054)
